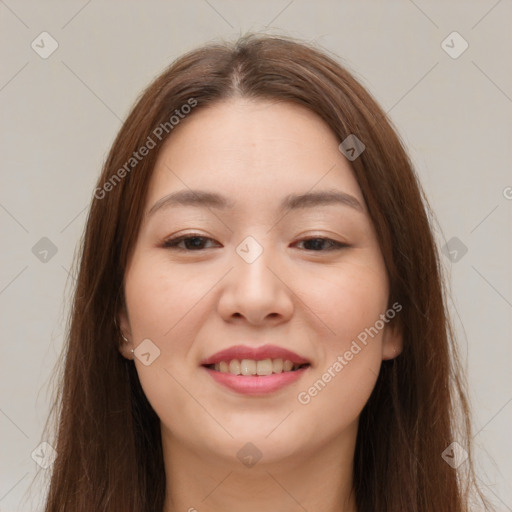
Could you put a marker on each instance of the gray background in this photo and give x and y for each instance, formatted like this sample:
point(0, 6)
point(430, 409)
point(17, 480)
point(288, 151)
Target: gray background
point(60, 115)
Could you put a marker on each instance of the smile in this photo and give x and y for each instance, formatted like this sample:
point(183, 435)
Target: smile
point(245, 382)
point(251, 367)
point(250, 370)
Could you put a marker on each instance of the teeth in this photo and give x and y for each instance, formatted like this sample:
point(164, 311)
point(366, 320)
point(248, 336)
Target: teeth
point(264, 367)
point(248, 367)
point(234, 367)
point(277, 365)
point(252, 367)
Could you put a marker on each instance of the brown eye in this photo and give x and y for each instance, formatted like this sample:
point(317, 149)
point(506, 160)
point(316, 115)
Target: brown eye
point(190, 243)
point(316, 244)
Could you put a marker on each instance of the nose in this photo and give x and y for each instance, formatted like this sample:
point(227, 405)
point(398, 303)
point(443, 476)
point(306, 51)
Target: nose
point(257, 291)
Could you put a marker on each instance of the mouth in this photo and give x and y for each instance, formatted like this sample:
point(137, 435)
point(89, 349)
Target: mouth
point(256, 368)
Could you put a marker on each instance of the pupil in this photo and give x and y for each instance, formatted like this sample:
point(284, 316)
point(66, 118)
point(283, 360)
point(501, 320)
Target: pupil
point(315, 243)
point(195, 241)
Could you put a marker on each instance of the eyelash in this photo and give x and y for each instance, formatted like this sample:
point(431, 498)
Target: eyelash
point(172, 243)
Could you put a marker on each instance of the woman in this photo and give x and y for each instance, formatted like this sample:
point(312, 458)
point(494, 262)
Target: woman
point(259, 318)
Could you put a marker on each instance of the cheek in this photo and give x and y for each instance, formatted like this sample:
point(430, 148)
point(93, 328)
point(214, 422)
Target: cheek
point(348, 299)
point(164, 306)
point(160, 298)
point(338, 392)
point(351, 300)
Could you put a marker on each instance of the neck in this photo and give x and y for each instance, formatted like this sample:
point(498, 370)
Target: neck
point(319, 480)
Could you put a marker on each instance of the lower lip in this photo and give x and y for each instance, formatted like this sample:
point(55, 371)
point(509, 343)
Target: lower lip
point(256, 384)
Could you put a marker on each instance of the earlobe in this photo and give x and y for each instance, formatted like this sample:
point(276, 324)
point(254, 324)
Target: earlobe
point(124, 332)
point(392, 342)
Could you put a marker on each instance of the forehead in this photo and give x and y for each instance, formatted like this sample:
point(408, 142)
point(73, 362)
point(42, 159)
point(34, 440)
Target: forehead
point(252, 151)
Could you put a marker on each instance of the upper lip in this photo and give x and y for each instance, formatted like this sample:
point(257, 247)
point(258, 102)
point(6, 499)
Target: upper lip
point(256, 353)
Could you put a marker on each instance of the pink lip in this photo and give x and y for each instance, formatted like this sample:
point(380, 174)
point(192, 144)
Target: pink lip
point(256, 384)
point(256, 353)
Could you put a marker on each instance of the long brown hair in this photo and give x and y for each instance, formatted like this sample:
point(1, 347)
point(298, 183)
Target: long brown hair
point(109, 452)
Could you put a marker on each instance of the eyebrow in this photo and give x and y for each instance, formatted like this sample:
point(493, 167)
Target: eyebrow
point(206, 199)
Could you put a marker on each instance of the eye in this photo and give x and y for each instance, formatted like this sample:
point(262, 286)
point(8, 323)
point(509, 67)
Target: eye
point(195, 242)
point(316, 244)
point(192, 242)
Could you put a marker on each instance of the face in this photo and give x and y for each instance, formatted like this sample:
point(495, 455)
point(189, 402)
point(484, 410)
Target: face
point(304, 275)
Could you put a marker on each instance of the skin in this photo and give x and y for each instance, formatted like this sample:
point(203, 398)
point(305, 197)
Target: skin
point(297, 295)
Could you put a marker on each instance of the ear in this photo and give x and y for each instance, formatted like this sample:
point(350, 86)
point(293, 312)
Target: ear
point(123, 322)
point(392, 340)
